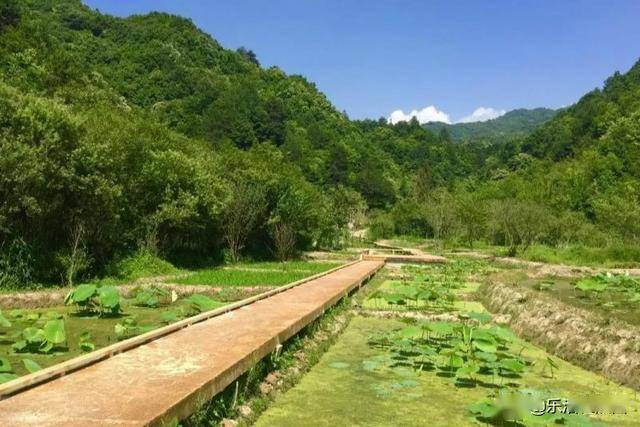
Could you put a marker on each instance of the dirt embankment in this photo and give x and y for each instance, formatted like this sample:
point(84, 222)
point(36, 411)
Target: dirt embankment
point(52, 298)
point(606, 346)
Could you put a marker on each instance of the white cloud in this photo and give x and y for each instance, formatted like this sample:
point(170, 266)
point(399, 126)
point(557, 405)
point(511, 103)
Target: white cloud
point(482, 114)
point(427, 114)
point(432, 114)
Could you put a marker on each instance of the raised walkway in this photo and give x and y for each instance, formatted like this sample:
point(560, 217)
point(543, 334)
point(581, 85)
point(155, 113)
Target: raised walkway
point(167, 378)
point(387, 253)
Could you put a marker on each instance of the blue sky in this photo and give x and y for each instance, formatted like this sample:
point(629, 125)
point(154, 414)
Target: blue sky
point(444, 59)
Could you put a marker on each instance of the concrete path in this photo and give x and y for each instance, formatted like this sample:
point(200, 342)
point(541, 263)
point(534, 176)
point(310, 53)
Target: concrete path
point(167, 378)
point(405, 259)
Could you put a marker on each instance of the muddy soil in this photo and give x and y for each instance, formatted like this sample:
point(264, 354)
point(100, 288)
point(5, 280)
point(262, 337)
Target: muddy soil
point(604, 345)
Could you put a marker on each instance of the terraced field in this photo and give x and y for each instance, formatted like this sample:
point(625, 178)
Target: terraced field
point(420, 346)
point(423, 349)
point(189, 363)
point(96, 315)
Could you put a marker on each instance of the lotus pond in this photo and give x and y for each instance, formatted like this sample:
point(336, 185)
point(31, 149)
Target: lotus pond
point(433, 288)
point(466, 371)
point(361, 382)
point(612, 296)
point(94, 317)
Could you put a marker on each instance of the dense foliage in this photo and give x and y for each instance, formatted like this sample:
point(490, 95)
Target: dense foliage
point(574, 179)
point(144, 135)
point(126, 135)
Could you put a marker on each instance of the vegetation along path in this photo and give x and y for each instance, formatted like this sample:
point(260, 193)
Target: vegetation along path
point(181, 369)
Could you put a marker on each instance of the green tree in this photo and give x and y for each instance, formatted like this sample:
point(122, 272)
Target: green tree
point(440, 212)
point(623, 140)
point(249, 55)
point(9, 14)
point(471, 216)
point(241, 216)
point(517, 224)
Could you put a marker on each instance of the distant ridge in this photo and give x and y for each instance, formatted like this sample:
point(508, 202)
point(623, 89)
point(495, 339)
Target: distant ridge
point(516, 122)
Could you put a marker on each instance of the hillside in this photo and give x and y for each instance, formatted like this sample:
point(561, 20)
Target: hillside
point(514, 123)
point(189, 237)
point(596, 114)
point(144, 134)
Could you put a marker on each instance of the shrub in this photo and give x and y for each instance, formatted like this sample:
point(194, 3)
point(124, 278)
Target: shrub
point(440, 211)
point(620, 212)
point(9, 13)
point(567, 227)
point(140, 264)
point(284, 240)
point(16, 264)
point(241, 215)
point(409, 219)
point(380, 226)
point(471, 217)
point(517, 224)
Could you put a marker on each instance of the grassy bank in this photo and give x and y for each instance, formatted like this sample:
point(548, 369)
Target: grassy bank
point(256, 274)
point(614, 256)
point(618, 256)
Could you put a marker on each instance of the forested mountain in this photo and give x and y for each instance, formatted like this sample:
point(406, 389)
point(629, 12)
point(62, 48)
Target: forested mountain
point(119, 134)
point(514, 123)
point(144, 134)
point(584, 125)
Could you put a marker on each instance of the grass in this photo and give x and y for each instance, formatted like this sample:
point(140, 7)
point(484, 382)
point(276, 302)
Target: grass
point(220, 277)
point(342, 390)
point(618, 256)
point(612, 256)
point(406, 241)
point(289, 266)
point(256, 274)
